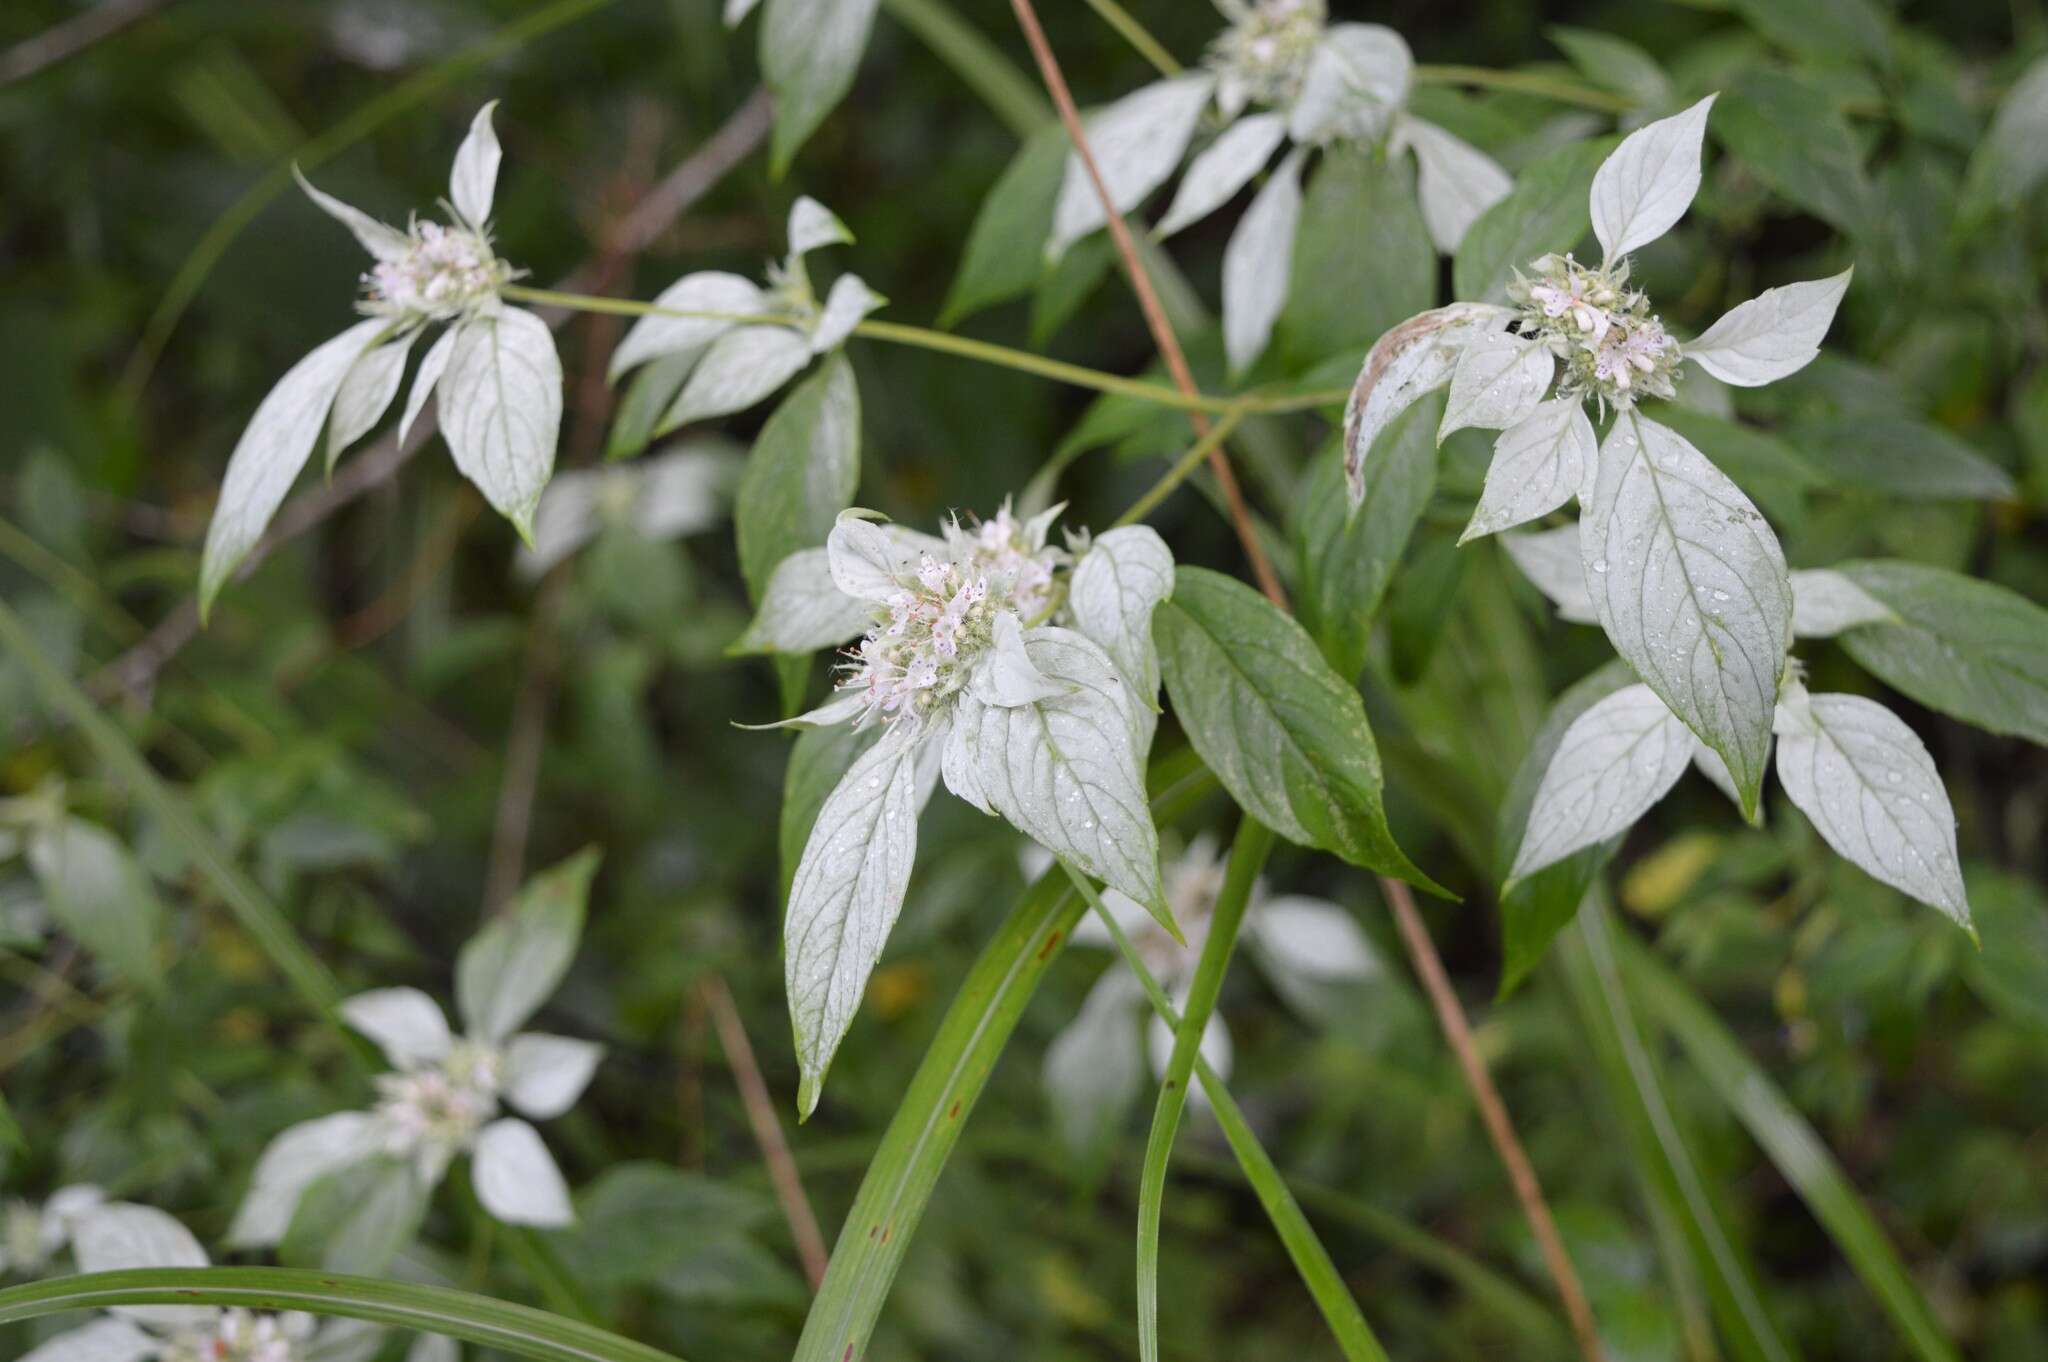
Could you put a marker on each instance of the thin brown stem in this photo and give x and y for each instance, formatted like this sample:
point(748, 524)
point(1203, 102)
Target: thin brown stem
point(767, 1128)
point(1148, 302)
point(74, 35)
point(1422, 950)
point(513, 822)
point(1493, 1112)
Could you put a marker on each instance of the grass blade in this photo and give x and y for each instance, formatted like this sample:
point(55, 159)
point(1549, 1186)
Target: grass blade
point(516, 1329)
point(1794, 1147)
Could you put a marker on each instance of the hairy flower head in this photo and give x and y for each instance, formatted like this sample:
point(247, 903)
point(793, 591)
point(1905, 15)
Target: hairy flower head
point(432, 1113)
point(1262, 57)
point(1613, 349)
point(444, 272)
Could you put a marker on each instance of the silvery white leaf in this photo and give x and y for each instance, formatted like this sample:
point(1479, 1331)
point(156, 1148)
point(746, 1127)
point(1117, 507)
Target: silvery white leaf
point(1774, 334)
point(1455, 181)
point(1007, 677)
point(1615, 761)
point(505, 971)
point(365, 393)
point(1216, 1048)
point(381, 241)
point(121, 1235)
point(1414, 358)
point(501, 409)
point(106, 1339)
point(404, 1023)
point(1065, 771)
point(1825, 602)
point(429, 374)
point(802, 609)
point(516, 1178)
point(1356, 80)
point(1870, 789)
point(1137, 142)
point(1312, 939)
point(474, 180)
point(544, 1075)
point(1499, 380)
point(869, 561)
point(565, 521)
point(706, 291)
point(1649, 181)
point(273, 449)
point(1259, 263)
point(741, 367)
point(813, 226)
point(845, 896)
point(1709, 764)
point(849, 301)
point(1093, 1069)
point(300, 1156)
point(737, 10)
point(843, 707)
point(1538, 464)
point(1691, 586)
point(684, 491)
point(1111, 595)
point(1225, 166)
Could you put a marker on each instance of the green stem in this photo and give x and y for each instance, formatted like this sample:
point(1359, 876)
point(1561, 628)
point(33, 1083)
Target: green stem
point(1186, 464)
point(979, 62)
point(1311, 1260)
point(366, 119)
point(1138, 36)
point(258, 915)
point(1525, 83)
point(516, 1329)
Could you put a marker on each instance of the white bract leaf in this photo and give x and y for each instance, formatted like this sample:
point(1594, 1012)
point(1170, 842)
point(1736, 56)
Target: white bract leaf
point(1414, 358)
point(813, 226)
point(1111, 595)
point(1312, 939)
point(1538, 464)
point(268, 457)
point(405, 1023)
point(1093, 1068)
point(1356, 79)
point(1649, 181)
point(1499, 380)
point(474, 180)
point(869, 561)
point(1550, 559)
point(1691, 586)
point(741, 367)
point(712, 291)
point(1225, 166)
point(1455, 181)
point(1007, 676)
point(104, 1340)
point(381, 241)
point(1258, 264)
point(423, 382)
point(122, 1235)
point(849, 301)
point(802, 609)
point(544, 1075)
point(516, 1178)
point(1825, 602)
point(565, 521)
point(1615, 761)
point(1708, 763)
point(1136, 142)
point(300, 1156)
point(505, 971)
point(1872, 793)
point(737, 10)
point(1065, 771)
point(366, 393)
point(683, 491)
point(1774, 334)
point(844, 898)
point(501, 409)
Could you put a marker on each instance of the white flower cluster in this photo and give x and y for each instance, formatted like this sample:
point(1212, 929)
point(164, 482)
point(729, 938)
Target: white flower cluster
point(443, 273)
point(1012, 553)
point(429, 1115)
point(1263, 56)
point(1613, 348)
point(239, 1336)
point(32, 1235)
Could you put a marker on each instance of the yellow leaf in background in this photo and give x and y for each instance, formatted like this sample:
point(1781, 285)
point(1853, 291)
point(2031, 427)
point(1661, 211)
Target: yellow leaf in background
point(895, 989)
point(1655, 884)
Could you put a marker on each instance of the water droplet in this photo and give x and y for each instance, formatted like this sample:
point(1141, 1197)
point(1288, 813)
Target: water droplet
point(1720, 595)
point(1893, 777)
point(1599, 565)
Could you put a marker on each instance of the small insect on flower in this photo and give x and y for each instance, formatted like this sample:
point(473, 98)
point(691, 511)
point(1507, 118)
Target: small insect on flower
point(494, 368)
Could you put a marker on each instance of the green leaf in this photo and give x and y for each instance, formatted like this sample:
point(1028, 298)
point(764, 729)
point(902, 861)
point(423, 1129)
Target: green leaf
point(810, 50)
point(1546, 211)
point(642, 1223)
point(1005, 251)
point(1065, 287)
point(1820, 170)
point(802, 472)
point(2012, 158)
point(1794, 1148)
point(1286, 735)
point(1363, 260)
point(1348, 560)
point(1614, 64)
point(510, 967)
point(1967, 648)
point(1775, 474)
point(357, 1218)
point(648, 395)
point(1903, 458)
point(2010, 973)
point(1536, 907)
point(99, 893)
point(516, 1329)
point(1826, 30)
